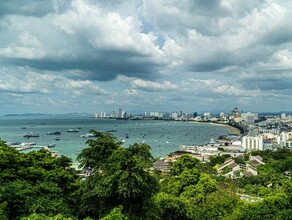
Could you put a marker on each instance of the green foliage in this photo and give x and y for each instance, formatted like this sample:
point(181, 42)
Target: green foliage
point(218, 159)
point(35, 216)
point(35, 182)
point(238, 160)
point(206, 168)
point(279, 154)
point(184, 162)
point(171, 207)
point(187, 178)
point(99, 150)
point(226, 170)
point(122, 185)
point(274, 207)
point(3, 210)
point(124, 179)
point(115, 214)
point(216, 205)
point(198, 192)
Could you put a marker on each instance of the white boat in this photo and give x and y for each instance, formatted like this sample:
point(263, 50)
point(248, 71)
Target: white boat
point(73, 130)
point(88, 135)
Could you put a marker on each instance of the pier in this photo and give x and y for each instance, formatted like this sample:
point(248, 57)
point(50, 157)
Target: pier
point(32, 145)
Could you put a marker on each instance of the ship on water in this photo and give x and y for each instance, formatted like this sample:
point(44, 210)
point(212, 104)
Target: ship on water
point(72, 130)
point(31, 134)
point(54, 133)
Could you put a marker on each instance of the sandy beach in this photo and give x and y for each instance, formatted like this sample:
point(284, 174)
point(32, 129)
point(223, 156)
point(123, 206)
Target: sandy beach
point(233, 130)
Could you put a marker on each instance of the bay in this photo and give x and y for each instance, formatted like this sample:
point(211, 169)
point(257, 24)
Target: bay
point(164, 137)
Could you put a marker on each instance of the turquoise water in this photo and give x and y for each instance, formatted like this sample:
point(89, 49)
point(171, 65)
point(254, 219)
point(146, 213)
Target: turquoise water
point(164, 137)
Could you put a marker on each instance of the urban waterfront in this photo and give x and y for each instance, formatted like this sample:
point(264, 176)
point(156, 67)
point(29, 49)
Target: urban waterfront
point(164, 137)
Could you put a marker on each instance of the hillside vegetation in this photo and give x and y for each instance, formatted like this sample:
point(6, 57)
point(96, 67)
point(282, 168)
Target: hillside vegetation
point(120, 183)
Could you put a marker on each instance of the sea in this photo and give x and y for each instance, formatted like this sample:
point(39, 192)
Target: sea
point(164, 137)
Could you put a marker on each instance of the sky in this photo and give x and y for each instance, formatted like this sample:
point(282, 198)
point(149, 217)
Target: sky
point(61, 56)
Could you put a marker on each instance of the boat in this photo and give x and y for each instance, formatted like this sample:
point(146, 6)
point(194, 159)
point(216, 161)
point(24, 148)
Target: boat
point(54, 133)
point(31, 134)
point(112, 130)
point(51, 145)
point(123, 141)
point(13, 143)
point(72, 130)
point(88, 135)
point(127, 136)
point(57, 138)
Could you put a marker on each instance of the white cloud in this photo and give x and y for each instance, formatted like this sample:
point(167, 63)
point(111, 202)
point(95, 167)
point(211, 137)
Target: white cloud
point(153, 86)
point(78, 87)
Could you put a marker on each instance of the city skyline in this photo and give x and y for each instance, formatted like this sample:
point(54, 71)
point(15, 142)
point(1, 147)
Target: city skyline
point(189, 55)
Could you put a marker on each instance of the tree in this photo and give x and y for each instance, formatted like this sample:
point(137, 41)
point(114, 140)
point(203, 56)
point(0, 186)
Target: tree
point(187, 178)
point(35, 216)
point(171, 207)
point(35, 182)
point(115, 214)
point(273, 207)
point(127, 180)
point(185, 161)
point(124, 178)
point(218, 159)
point(99, 150)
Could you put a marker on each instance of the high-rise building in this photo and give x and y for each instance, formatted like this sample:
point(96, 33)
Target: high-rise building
point(252, 143)
point(120, 113)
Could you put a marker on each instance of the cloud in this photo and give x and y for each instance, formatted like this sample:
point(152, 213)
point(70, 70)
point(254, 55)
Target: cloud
point(83, 88)
point(84, 37)
point(188, 53)
point(153, 86)
point(26, 7)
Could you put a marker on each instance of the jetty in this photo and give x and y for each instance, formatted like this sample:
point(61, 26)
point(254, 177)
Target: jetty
point(31, 145)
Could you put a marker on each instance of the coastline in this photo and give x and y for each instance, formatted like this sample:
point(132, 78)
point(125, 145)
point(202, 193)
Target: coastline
point(233, 130)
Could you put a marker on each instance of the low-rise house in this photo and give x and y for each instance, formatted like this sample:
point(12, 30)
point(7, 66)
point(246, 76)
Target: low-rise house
point(256, 160)
point(162, 165)
point(233, 170)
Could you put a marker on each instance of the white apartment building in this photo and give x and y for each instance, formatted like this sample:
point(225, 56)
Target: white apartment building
point(174, 115)
point(252, 143)
point(286, 136)
point(286, 139)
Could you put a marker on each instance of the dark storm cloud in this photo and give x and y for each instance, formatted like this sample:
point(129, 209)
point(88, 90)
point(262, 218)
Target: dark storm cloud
point(207, 8)
point(278, 37)
point(208, 67)
point(268, 80)
point(103, 69)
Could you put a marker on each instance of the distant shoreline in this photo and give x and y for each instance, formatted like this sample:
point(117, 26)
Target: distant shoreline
point(233, 130)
